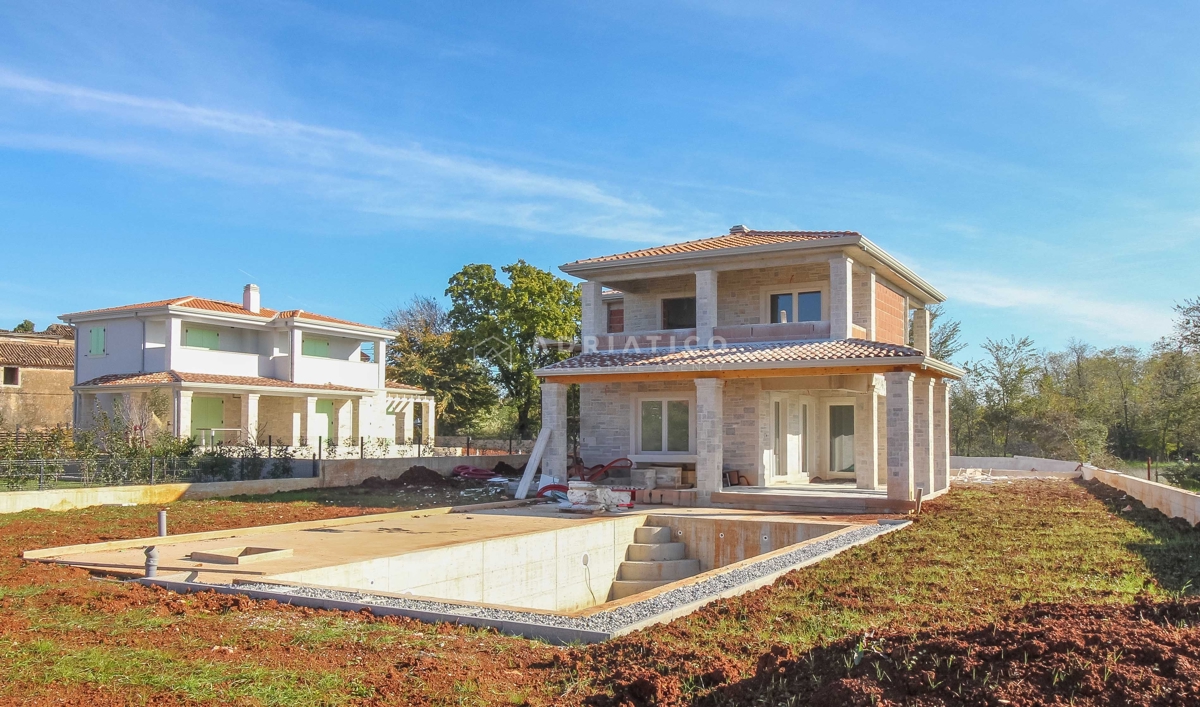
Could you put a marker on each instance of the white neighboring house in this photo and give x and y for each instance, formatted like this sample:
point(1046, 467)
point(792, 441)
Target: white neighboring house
point(236, 372)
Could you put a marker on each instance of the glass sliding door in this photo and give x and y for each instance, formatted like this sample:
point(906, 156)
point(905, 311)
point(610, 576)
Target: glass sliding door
point(841, 438)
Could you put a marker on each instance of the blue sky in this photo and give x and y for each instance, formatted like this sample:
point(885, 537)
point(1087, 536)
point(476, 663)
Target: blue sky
point(1038, 162)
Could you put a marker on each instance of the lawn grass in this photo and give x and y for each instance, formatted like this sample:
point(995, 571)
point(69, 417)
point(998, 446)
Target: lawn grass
point(975, 554)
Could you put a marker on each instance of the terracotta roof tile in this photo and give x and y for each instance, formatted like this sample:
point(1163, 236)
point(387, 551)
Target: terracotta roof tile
point(19, 353)
point(169, 377)
point(740, 240)
point(734, 355)
point(393, 385)
point(215, 305)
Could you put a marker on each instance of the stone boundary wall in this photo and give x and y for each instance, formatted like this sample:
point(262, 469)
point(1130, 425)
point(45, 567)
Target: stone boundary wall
point(1012, 464)
point(340, 472)
point(1174, 502)
point(351, 472)
point(72, 498)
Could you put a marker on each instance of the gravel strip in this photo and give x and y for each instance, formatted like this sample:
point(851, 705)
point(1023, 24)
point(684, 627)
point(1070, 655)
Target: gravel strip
point(605, 621)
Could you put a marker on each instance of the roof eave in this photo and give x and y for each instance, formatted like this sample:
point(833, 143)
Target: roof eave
point(580, 269)
point(900, 269)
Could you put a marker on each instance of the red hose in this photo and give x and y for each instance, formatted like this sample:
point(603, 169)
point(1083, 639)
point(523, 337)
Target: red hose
point(550, 487)
point(473, 472)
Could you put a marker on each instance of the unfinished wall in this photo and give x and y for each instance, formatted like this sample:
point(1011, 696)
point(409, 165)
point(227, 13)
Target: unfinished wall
point(891, 316)
point(42, 399)
point(717, 541)
point(740, 292)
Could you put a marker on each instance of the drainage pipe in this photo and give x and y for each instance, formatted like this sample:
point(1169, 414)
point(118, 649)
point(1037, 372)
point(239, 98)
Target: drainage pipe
point(151, 561)
point(162, 523)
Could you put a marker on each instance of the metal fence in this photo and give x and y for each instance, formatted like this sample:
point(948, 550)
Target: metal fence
point(42, 474)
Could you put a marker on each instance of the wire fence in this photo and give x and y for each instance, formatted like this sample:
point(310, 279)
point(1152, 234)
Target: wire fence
point(43, 474)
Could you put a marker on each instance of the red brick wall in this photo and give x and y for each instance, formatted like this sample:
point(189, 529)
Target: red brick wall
point(616, 320)
point(890, 318)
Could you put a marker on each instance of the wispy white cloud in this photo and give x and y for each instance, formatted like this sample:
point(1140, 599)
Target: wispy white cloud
point(1068, 303)
point(369, 175)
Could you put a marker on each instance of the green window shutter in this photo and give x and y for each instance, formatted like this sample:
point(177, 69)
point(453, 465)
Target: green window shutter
point(315, 347)
point(325, 407)
point(96, 341)
point(201, 338)
point(207, 413)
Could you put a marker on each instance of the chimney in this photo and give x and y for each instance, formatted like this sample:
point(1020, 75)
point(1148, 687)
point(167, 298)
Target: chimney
point(250, 299)
point(738, 230)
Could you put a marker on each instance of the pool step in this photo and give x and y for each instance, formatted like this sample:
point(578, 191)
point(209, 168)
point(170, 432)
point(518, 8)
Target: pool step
point(650, 552)
point(650, 534)
point(652, 561)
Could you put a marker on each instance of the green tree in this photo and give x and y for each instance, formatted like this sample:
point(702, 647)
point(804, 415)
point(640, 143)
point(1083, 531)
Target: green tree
point(425, 354)
point(25, 327)
point(506, 325)
point(945, 336)
point(1006, 376)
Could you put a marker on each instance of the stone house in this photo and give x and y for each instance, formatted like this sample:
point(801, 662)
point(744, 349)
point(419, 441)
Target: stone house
point(783, 356)
point(35, 387)
point(242, 371)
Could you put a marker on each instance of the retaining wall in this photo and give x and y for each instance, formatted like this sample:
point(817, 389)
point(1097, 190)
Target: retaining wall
point(1012, 464)
point(351, 472)
point(1174, 502)
point(341, 472)
point(70, 498)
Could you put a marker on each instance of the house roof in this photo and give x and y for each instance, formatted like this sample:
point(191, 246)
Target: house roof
point(733, 240)
point(171, 377)
point(37, 355)
point(214, 305)
point(394, 385)
point(777, 354)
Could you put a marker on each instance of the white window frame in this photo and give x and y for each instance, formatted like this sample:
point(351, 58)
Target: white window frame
point(635, 428)
point(828, 403)
point(793, 289)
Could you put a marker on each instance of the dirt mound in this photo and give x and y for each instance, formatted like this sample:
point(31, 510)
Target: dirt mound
point(1143, 654)
point(415, 476)
point(505, 469)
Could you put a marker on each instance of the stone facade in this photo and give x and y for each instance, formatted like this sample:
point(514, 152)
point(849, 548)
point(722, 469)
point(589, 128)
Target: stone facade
point(42, 400)
point(740, 292)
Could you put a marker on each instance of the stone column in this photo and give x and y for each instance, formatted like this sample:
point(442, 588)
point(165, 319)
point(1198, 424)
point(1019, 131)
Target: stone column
point(923, 434)
point(554, 418)
point(429, 422)
point(183, 413)
point(900, 435)
point(342, 422)
point(941, 435)
point(311, 429)
point(710, 431)
point(881, 463)
point(841, 297)
point(920, 330)
point(866, 438)
point(381, 362)
point(408, 410)
point(356, 422)
point(864, 301)
point(706, 306)
point(250, 417)
point(296, 430)
point(595, 317)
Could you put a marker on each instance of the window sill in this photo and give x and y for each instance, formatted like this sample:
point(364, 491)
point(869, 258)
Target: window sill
point(664, 458)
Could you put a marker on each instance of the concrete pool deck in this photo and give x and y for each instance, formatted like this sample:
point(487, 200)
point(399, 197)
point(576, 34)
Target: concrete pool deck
point(525, 568)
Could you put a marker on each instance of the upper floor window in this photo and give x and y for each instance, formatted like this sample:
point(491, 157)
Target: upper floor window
point(12, 375)
point(795, 307)
point(201, 338)
point(313, 346)
point(679, 313)
point(96, 343)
